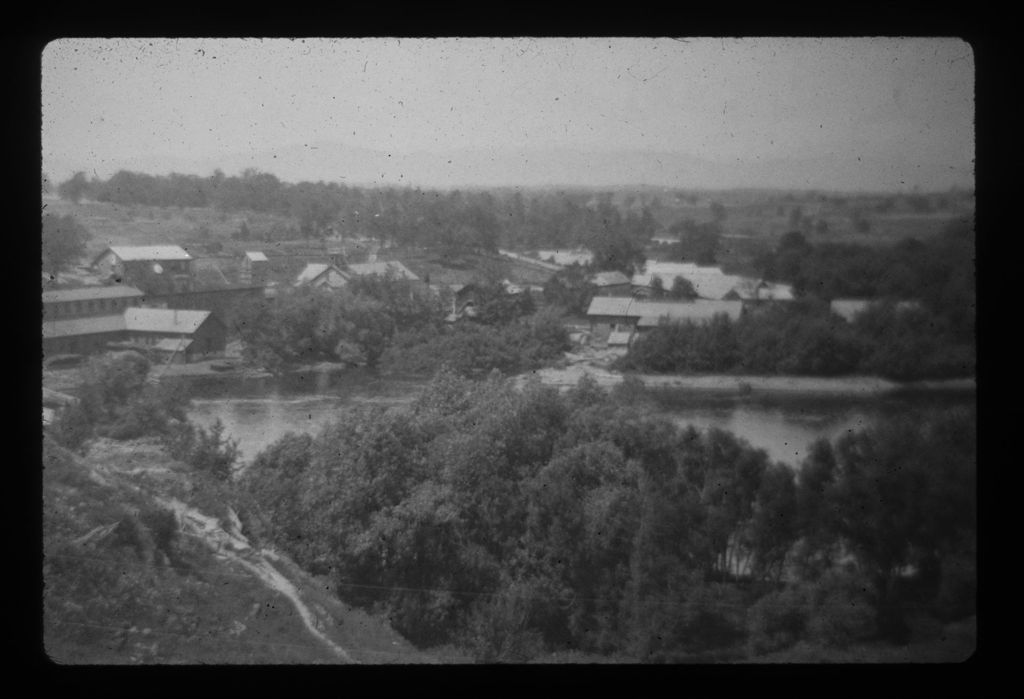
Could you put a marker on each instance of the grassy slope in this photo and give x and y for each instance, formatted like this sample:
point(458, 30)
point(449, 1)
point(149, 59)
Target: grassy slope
point(117, 597)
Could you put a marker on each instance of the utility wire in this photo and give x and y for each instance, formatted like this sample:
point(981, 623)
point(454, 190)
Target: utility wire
point(435, 590)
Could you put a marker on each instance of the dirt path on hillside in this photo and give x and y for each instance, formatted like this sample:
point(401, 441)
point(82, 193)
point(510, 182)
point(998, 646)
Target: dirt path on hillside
point(229, 544)
point(232, 545)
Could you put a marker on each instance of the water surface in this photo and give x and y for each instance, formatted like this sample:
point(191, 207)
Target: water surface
point(259, 412)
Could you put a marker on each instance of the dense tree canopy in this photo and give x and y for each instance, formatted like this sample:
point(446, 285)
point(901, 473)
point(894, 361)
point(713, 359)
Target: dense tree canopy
point(472, 348)
point(698, 242)
point(116, 400)
point(804, 338)
point(451, 221)
point(570, 288)
point(75, 188)
point(517, 521)
point(309, 325)
point(938, 272)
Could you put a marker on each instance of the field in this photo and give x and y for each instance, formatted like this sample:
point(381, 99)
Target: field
point(218, 255)
point(192, 228)
point(752, 224)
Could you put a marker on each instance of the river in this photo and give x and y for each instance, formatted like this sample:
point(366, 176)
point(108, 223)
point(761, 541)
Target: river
point(260, 411)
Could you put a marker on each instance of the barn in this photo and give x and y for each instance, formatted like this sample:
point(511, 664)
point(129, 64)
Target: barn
point(148, 326)
point(205, 333)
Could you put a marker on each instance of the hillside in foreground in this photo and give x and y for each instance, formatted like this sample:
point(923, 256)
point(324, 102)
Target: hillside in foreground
point(144, 563)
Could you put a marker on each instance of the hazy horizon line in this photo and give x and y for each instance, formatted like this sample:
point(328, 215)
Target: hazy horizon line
point(556, 166)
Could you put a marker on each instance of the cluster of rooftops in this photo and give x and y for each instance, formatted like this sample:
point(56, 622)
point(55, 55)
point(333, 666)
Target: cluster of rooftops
point(626, 306)
point(119, 306)
point(622, 304)
point(708, 282)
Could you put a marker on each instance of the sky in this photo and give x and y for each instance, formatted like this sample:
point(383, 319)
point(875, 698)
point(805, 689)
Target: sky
point(185, 103)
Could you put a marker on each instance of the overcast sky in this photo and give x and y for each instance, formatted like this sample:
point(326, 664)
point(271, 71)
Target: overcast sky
point(106, 101)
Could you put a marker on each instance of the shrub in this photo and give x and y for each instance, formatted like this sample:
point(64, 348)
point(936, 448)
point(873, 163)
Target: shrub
point(163, 527)
point(778, 620)
point(60, 466)
point(958, 591)
point(206, 451)
point(472, 348)
point(72, 426)
point(631, 391)
point(151, 411)
point(696, 619)
point(497, 629)
point(117, 402)
point(842, 611)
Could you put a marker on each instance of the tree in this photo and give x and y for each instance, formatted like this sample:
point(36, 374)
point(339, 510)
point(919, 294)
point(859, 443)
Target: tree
point(117, 402)
point(657, 288)
point(613, 250)
point(63, 241)
point(898, 494)
point(496, 306)
point(362, 322)
point(307, 325)
point(718, 211)
point(208, 451)
point(697, 241)
point(570, 288)
point(73, 189)
point(682, 289)
point(648, 225)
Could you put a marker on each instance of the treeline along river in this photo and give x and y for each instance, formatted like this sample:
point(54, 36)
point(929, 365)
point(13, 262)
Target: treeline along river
point(257, 412)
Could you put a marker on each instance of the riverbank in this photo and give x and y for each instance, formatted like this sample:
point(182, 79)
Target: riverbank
point(853, 386)
point(221, 370)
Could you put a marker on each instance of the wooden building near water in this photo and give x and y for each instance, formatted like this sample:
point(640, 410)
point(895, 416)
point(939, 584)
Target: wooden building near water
point(619, 318)
point(147, 327)
point(88, 301)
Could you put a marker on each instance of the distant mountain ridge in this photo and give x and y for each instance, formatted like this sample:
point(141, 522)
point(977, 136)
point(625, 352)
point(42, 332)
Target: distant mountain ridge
point(477, 167)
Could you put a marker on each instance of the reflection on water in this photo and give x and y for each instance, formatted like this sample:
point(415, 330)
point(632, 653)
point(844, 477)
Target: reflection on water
point(258, 422)
point(786, 426)
point(783, 434)
point(257, 414)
